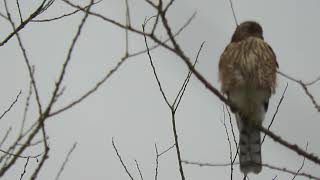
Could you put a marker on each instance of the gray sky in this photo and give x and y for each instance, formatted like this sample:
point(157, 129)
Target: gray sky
point(129, 107)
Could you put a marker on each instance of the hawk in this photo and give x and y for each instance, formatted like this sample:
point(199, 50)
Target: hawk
point(247, 72)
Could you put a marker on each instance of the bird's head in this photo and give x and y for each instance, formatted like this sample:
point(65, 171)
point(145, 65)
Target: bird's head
point(247, 29)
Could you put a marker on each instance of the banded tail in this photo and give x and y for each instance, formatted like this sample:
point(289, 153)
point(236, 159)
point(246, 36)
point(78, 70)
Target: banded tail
point(250, 147)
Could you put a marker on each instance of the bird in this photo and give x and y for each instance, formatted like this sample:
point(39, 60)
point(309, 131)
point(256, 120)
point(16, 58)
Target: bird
point(248, 75)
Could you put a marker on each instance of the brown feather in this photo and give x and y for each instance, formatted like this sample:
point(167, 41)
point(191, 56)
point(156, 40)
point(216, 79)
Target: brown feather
point(248, 61)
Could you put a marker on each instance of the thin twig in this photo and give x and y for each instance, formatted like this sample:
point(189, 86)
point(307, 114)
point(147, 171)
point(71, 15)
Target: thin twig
point(233, 13)
point(165, 151)
point(233, 134)
point(157, 162)
point(19, 10)
point(68, 59)
point(128, 24)
point(66, 160)
point(154, 69)
point(5, 136)
point(45, 154)
point(122, 163)
point(168, 5)
point(26, 107)
point(62, 16)
point(3, 16)
point(11, 105)
point(186, 82)
point(298, 171)
point(305, 88)
point(23, 24)
point(140, 173)
point(276, 112)
point(229, 142)
point(91, 91)
point(20, 156)
point(24, 169)
point(26, 59)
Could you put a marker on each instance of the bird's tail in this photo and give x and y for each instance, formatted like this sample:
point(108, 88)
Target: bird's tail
point(250, 147)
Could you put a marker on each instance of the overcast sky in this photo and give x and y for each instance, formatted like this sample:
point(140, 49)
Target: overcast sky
point(129, 106)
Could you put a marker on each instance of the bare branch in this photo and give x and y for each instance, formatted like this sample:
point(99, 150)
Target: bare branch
point(186, 82)
point(304, 158)
point(128, 24)
point(233, 13)
point(23, 24)
point(229, 142)
point(5, 137)
point(3, 16)
point(95, 88)
point(19, 10)
point(316, 105)
point(165, 151)
point(26, 107)
point(174, 129)
point(64, 15)
point(154, 69)
point(20, 156)
point(67, 60)
point(201, 164)
point(24, 169)
point(178, 51)
point(233, 134)
point(305, 88)
point(140, 173)
point(11, 105)
point(290, 146)
point(91, 91)
point(276, 112)
point(66, 160)
point(157, 162)
point(119, 156)
point(25, 53)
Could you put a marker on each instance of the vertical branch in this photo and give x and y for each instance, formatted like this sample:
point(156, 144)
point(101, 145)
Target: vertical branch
point(233, 135)
point(157, 162)
point(229, 142)
point(173, 121)
point(128, 24)
point(176, 140)
point(26, 107)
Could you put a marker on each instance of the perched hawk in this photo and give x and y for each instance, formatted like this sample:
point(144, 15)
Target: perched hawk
point(247, 71)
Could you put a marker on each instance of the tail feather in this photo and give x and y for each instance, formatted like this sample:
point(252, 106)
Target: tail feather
point(250, 148)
